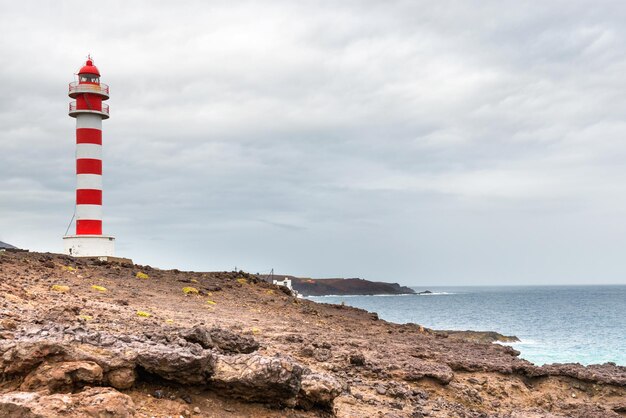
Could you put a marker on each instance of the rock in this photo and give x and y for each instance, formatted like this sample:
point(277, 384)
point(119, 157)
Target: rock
point(198, 334)
point(318, 390)
point(25, 356)
point(479, 336)
point(176, 363)
point(93, 402)
point(608, 373)
point(123, 378)
point(421, 369)
point(272, 380)
point(55, 377)
point(230, 342)
point(104, 403)
point(322, 354)
point(222, 339)
point(357, 359)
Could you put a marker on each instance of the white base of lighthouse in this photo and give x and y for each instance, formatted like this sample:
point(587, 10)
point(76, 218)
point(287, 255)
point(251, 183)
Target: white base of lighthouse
point(89, 245)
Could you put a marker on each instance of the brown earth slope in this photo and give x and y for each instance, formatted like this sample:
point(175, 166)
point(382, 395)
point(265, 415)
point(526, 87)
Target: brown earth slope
point(82, 338)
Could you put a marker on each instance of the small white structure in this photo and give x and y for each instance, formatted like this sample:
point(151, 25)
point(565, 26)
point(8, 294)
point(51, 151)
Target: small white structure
point(285, 282)
point(89, 245)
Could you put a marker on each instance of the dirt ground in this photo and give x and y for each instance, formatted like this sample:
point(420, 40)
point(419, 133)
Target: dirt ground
point(384, 369)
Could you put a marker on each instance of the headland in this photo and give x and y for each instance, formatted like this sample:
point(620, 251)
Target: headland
point(86, 338)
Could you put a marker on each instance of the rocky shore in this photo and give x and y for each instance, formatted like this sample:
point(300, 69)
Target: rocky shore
point(354, 286)
point(84, 338)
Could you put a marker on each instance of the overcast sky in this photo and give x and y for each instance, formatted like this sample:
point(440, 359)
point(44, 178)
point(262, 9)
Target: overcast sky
point(467, 142)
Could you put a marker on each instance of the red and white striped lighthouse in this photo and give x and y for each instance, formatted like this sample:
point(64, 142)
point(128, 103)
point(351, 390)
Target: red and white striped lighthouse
point(89, 112)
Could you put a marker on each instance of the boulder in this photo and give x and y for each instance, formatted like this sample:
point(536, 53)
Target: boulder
point(318, 390)
point(123, 378)
point(230, 342)
point(25, 356)
point(176, 363)
point(222, 339)
point(273, 380)
point(65, 376)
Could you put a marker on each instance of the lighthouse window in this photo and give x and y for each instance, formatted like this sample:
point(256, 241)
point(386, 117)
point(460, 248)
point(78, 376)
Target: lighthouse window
point(89, 78)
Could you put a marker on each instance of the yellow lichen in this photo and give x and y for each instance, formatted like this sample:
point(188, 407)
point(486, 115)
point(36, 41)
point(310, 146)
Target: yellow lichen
point(169, 321)
point(144, 314)
point(60, 288)
point(141, 275)
point(270, 292)
point(256, 330)
point(85, 317)
point(242, 280)
point(194, 281)
point(69, 268)
point(190, 290)
point(99, 288)
point(210, 302)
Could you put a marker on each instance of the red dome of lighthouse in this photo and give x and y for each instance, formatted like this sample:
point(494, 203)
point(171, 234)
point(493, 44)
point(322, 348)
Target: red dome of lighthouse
point(89, 68)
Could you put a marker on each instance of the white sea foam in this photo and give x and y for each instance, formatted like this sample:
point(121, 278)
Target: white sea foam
point(436, 294)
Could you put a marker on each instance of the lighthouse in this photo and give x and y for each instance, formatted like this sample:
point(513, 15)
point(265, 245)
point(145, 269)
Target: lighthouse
point(89, 111)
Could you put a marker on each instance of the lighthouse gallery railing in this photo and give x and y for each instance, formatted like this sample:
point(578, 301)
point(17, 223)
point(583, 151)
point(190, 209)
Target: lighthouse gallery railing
point(76, 87)
point(105, 108)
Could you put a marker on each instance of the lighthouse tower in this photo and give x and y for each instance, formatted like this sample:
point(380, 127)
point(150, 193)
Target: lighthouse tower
point(89, 112)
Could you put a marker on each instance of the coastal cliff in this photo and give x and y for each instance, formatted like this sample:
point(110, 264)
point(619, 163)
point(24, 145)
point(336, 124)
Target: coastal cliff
point(85, 338)
point(353, 286)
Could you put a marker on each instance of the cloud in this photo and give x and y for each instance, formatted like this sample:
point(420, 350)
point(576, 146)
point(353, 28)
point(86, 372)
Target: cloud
point(409, 141)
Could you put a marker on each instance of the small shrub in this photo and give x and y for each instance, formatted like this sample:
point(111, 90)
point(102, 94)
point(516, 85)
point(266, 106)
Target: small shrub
point(190, 290)
point(194, 281)
point(143, 314)
point(60, 288)
point(99, 288)
point(242, 280)
point(256, 330)
point(141, 275)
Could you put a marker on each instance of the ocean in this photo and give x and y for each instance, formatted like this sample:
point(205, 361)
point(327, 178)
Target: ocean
point(556, 324)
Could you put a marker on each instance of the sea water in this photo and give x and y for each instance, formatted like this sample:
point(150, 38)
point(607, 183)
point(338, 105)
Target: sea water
point(556, 324)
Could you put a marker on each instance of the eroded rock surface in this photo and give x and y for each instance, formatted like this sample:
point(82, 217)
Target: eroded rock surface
point(92, 403)
point(242, 347)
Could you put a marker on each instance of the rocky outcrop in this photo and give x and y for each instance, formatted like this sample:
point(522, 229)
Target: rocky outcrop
point(322, 287)
point(479, 336)
point(251, 350)
point(607, 373)
point(51, 361)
